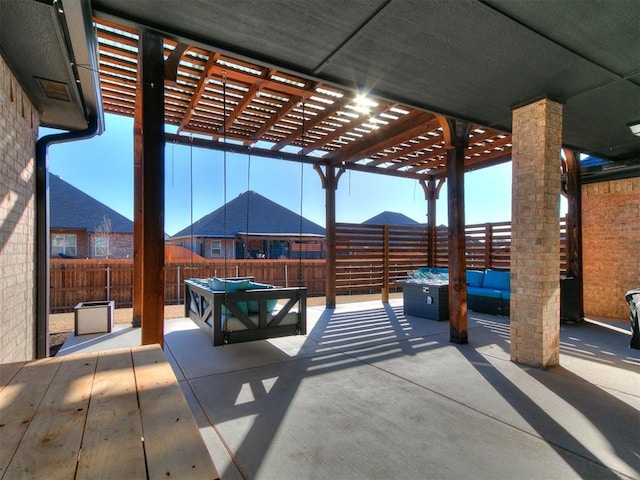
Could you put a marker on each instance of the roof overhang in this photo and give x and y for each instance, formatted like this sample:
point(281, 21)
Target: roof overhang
point(52, 50)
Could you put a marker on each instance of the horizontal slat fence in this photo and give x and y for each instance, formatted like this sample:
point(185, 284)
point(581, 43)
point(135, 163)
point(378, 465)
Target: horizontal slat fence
point(367, 254)
point(74, 281)
point(369, 258)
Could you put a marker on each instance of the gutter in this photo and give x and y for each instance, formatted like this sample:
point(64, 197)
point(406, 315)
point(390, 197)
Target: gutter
point(43, 247)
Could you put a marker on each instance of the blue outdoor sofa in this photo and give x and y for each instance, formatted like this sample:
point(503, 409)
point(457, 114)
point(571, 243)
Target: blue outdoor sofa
point(488, 291)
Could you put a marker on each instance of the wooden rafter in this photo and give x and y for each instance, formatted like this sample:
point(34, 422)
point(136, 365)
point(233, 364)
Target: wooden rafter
point(348, 127)
point(262, 104)
point(199, 90)
point(399, 153)
point(310, 124)
point(278, 116)
point(410, 125)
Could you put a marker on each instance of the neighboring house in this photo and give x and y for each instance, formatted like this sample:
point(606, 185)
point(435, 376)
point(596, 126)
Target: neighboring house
point(256, 227)
point(391, 218)
point(82, 227)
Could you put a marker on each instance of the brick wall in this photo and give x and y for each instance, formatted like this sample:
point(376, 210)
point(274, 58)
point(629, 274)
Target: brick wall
point(18, 132)
point(610, 245)
point(82, 246)
point(120, 245)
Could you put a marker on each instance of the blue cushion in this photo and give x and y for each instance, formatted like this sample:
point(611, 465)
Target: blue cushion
point(475, 278)
point(484, 292)
point(243, 306)
point(254, 305)
point(220, 284)
point(497, 279)
point(506, 295)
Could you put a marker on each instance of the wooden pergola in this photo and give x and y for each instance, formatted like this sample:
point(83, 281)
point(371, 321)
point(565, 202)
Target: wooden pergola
point(221, 102)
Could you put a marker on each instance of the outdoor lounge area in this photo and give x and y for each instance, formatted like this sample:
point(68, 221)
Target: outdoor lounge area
point(369, 393)
point(427, 93)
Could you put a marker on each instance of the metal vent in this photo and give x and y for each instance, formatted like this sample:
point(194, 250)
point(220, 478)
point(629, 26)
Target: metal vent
point(55, 90)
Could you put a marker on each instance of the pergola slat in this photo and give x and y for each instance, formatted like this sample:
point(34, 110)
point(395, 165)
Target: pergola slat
point(264, 104)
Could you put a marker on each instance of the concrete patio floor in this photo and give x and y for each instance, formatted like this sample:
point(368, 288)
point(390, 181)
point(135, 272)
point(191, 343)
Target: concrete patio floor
point(371, 393)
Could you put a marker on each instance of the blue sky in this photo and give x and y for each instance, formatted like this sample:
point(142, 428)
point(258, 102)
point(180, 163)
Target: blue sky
point(103, 168)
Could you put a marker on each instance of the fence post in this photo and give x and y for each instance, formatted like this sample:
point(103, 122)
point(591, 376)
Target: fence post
point(108, 283)
point(488, 244)
point(178, 284)
point(385, 264)
point(286, 275)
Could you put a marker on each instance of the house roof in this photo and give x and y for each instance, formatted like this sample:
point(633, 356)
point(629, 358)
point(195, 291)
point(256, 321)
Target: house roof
point(390, 218)
point(71, 208)
point(253, 213)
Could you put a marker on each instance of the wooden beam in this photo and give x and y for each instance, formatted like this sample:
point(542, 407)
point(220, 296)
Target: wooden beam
point(429, 142)
point(573, 190)
point(310, 124)
point(470, 165)
point(456, 134)
point(242, 104)
point(240, 149)
point(385, 264)
point(284, 111)
point(138, 211)
point(172, 62)
point(199, 90)
point(330, 184)
point(347, 127)
point(411, 125)
point(431, 188)
point(151, 71)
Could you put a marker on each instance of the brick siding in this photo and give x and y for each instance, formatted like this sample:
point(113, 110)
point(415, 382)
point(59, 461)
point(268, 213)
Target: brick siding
point(610, 246)
point(120, 245)
point(535, 254)
point(18, 132)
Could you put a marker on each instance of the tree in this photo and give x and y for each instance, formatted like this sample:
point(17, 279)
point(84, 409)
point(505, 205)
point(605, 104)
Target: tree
point(103, 234)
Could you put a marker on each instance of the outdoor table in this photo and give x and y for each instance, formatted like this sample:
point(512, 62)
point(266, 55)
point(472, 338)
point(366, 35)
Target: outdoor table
point(112, 414)
point(426, 299)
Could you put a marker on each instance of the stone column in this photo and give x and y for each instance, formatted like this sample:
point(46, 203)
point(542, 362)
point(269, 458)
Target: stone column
point(535, 248)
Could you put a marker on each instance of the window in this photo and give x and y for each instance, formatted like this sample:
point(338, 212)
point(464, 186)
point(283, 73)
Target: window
point(62, 244)
point(101, 247)
point(216, 248)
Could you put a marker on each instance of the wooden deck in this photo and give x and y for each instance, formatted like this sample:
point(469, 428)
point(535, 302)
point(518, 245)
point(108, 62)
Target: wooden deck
point(113, 414)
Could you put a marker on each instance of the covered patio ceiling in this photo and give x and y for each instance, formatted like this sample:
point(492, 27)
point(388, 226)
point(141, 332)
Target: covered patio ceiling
point(473, 60)
point(210, 95)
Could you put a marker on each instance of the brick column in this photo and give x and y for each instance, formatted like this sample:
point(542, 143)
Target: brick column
point(535, 248)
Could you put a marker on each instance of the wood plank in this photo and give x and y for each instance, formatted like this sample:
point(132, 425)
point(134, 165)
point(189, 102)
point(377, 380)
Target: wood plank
point(173, 444)
point(8, 371)
point(50, 446)
point(19, 401)
point(112, 444)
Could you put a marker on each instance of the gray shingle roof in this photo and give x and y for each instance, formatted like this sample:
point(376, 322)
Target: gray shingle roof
point(265, 217)
point(72, 208)
point(390, 218)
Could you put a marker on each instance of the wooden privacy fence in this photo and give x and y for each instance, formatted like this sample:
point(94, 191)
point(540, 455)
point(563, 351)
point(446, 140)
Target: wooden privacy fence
point(369, 259)
point(368, 254)
point(74, 281)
